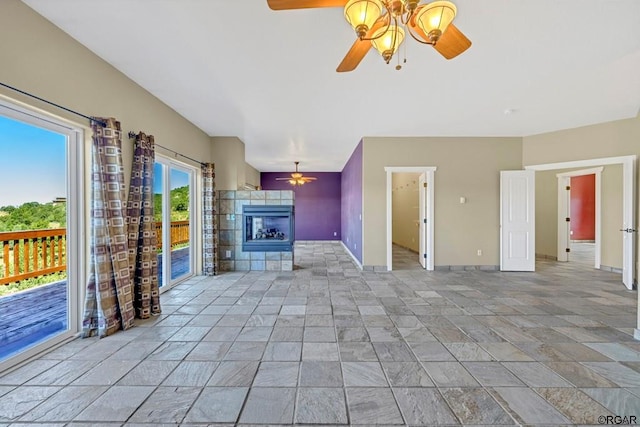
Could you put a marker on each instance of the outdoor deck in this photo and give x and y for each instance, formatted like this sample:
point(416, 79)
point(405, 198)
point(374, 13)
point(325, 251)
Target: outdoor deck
point(34, 315)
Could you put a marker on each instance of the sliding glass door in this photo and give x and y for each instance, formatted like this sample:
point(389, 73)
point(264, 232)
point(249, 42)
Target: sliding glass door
point(174, 205)
point(41, 178)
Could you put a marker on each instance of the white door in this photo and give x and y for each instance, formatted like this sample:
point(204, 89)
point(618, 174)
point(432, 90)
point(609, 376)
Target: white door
point(629, 230)
point(517, 220)
point(422, 218)
point(564, 212)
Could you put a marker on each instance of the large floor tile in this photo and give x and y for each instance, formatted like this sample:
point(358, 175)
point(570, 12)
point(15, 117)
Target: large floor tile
point(370, 406)
point(476, 406)
point(217, 405)
point(527, 407)
point(166, 405)
point(269, 406)
point(423, 406)
point(116, 404)
point(574, 404)
point(21, 400)
point(321, 406)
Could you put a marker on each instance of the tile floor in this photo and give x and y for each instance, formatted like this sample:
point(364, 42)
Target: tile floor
point(329, 344)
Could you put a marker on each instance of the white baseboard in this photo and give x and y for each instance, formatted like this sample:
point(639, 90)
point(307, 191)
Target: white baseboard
point(352, 255)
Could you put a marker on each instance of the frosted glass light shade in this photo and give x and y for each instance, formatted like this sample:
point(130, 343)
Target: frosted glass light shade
point(362, 14)
point(435, 17)
point(389, 42)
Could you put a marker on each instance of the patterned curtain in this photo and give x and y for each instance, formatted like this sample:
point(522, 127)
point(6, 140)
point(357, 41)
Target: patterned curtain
point(143, 257)
point(209, 221)
point(109, 299)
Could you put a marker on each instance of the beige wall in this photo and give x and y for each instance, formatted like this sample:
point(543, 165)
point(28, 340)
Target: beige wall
point(39, 58)
point(405, 211)
point(547, 214)
point(228, 156)
point(252, 175)
point(466, 167)
point(232, 172)
point(610, 139)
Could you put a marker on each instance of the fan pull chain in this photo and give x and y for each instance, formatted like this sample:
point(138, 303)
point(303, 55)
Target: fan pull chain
point(404, 49)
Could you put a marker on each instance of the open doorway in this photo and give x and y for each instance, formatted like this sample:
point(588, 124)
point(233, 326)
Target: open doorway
point(580, 214)
point(413, 215)
point(582, 226)
point(405, 208)
point(617, 243)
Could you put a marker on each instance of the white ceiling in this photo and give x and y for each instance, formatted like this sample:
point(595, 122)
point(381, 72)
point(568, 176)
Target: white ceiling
point(237, 68)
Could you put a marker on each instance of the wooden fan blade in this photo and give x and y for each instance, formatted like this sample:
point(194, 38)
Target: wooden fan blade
point(309, 178)
point(452, 43)
point(354, 56)
point(304, 4)
point(283, 179)
point(359, 49)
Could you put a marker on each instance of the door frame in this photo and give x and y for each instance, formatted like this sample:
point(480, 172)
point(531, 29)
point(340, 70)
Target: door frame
point(629, 183)
point(77, 227)
point(564, 211)
point(423, 194)
point(194, 221)
point(430, 174)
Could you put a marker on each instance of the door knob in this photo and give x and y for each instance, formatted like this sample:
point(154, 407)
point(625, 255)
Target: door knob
point(628, 230)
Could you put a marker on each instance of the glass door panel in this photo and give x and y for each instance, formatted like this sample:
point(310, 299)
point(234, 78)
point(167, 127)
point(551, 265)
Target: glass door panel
point(180, 182)
point(34, 283)
point(158, 210)
point(173, 201)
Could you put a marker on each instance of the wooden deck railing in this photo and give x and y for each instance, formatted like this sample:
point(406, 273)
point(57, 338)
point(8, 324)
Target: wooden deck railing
point(34, 253)
point(179, 233)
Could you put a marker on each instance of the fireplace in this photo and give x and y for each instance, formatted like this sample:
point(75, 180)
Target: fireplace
point(267, 228)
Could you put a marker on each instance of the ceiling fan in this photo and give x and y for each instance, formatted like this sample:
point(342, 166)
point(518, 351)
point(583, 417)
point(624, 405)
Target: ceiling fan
point(384, 23)
point(297, 178)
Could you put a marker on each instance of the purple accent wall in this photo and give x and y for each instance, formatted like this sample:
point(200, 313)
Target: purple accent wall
point(352, 203)
point(317, 204)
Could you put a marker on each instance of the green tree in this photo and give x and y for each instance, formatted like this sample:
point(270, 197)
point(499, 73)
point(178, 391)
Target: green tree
point(33, 216)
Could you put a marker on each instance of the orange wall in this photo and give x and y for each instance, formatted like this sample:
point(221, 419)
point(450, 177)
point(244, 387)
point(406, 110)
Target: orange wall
point(583, 207)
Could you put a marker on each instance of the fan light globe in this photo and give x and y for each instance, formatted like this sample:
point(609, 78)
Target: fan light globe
point(362, 14)
point(435, 17)
point(386, 41)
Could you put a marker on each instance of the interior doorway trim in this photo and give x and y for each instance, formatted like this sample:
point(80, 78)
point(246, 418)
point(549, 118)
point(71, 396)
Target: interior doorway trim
point(430, 173)
point(628, 203)
point(564, 211)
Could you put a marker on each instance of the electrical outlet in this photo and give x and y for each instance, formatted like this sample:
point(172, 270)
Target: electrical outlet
point(479, 252)
point(227, 254)
point(335, 233)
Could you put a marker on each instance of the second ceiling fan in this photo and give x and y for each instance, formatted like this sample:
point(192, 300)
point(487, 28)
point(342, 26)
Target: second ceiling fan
point(297, 178)
point(383, 24)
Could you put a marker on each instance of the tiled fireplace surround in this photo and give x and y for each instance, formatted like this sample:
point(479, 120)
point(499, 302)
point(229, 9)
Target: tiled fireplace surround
point(230, 220)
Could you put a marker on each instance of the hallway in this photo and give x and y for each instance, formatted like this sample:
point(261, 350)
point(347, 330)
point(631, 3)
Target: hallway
point(330, 344)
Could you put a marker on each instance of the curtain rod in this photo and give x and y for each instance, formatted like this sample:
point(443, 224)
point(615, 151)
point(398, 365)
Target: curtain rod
point(132, 135)
point(91, 119)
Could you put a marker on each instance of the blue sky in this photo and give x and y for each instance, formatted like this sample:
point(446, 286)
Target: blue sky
point(32, 163)
point(177, 178)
